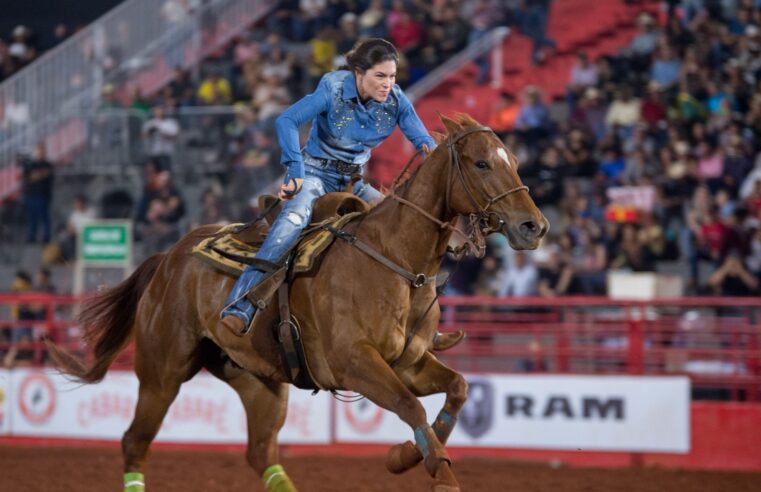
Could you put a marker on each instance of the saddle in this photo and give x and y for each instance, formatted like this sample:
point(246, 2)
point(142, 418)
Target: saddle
point(234, 247)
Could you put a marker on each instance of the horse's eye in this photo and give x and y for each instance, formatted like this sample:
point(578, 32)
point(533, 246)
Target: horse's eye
point(482, 165)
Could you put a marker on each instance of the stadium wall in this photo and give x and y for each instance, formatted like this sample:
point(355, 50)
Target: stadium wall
point(627, 421)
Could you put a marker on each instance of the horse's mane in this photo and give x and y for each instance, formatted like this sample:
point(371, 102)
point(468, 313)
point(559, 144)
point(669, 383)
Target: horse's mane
point(463, 120)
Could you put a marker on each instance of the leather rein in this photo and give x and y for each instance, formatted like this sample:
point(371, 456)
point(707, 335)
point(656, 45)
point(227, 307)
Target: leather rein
point(481, 221)
point(481, 225)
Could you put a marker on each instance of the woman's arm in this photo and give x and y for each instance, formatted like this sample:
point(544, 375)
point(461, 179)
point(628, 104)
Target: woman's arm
point(411, 126)
point(287, 124)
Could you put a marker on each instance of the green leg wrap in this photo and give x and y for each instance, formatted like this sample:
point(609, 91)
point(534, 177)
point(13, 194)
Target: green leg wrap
point(275, 480)
point(134, 482)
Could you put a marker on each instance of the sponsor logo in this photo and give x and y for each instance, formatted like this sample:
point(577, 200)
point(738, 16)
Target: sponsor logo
point(477, 415)
point(299, 418)
point(189, 409)
point(37, 398)
point(104, 406)
point(583, 408)
point(363, 416)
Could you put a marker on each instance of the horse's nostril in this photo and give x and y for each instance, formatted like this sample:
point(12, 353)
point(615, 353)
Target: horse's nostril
point(529, 228)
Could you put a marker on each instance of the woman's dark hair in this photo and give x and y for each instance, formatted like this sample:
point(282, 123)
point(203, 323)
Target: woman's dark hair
point(368, 53)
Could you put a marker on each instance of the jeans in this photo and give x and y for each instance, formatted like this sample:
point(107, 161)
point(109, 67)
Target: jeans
point(37, 210)
point(293, 218)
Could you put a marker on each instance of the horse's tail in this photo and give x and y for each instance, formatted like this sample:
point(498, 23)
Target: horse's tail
point(108, 320)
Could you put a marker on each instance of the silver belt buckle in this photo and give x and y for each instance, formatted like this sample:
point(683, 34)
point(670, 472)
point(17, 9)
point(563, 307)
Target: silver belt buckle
point(346, 168)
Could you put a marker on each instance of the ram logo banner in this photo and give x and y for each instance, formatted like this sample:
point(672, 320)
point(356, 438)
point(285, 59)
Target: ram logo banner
point(561, 406)
point(477, 415)
point(593, 413)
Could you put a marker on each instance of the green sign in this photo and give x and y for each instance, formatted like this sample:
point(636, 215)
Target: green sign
point(103, 242)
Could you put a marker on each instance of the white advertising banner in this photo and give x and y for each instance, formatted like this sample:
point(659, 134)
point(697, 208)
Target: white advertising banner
point(588, 413)
point(44, 403)
point(5, 393)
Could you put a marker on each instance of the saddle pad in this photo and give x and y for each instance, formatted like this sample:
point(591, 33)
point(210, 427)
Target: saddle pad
point(213, 251)
point(224, 252)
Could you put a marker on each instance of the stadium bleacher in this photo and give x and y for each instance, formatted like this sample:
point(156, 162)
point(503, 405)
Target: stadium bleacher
point(253, 160)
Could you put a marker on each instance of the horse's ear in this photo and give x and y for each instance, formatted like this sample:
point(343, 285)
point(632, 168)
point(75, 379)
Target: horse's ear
point(451, 126)
point(439, 137)
point(466, 120)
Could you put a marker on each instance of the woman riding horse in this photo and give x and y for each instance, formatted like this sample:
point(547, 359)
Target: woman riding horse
point(367, 314)
point(352, 111)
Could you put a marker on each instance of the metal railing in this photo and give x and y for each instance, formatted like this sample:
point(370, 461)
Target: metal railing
point(136, 45)
point(714, 341)
point(211, 139)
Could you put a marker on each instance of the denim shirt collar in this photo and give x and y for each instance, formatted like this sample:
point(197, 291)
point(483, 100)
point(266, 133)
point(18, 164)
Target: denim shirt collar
point(350, 89)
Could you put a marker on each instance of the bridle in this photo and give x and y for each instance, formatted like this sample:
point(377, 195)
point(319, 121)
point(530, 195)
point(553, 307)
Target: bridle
point(483, 221)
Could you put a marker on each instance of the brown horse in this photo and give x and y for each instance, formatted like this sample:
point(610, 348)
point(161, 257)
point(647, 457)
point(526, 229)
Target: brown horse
point(365, 327)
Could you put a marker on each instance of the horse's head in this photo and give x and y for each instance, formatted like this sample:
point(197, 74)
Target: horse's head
point(484, 183)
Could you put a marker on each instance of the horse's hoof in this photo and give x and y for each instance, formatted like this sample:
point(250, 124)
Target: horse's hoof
point(402, 457)
point(287, 487)
point(444, 479)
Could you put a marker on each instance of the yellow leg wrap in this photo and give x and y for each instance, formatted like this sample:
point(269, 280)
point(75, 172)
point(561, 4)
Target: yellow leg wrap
point(275, 480)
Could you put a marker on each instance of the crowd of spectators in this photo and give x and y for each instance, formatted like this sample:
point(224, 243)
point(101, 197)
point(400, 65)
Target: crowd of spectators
point(651, 158)
point(260, 73)
point(658, 159)
point(22, 46)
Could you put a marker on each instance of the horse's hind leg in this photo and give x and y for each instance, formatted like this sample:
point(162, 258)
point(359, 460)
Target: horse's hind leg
point(160, 372)
point(152, 404)
point(266, 403)
point(372, 377)
point(427, 377)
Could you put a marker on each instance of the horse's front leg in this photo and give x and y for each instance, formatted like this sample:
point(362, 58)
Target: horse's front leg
point(429, 376)
point(370, 375)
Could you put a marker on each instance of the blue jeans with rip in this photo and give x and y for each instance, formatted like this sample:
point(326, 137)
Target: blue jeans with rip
point(293, 218)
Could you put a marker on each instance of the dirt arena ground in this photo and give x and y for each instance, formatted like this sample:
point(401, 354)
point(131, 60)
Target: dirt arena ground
point(53, 469)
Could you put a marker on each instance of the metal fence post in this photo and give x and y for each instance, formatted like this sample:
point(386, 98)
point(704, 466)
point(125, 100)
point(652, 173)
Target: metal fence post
point(635, 357)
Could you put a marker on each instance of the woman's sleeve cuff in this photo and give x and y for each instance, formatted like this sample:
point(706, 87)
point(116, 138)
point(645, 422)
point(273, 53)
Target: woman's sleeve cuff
point(295, 170)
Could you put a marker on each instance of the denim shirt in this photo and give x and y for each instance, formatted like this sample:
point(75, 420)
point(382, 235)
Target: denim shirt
point(343, 127)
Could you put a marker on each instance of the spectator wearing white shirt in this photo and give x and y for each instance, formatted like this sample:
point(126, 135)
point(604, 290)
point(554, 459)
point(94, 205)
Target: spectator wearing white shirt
point(15, 114)
point(20, 49)
point(623, 113)
point(159, 134)
point(520, 278)
point(81, 213)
